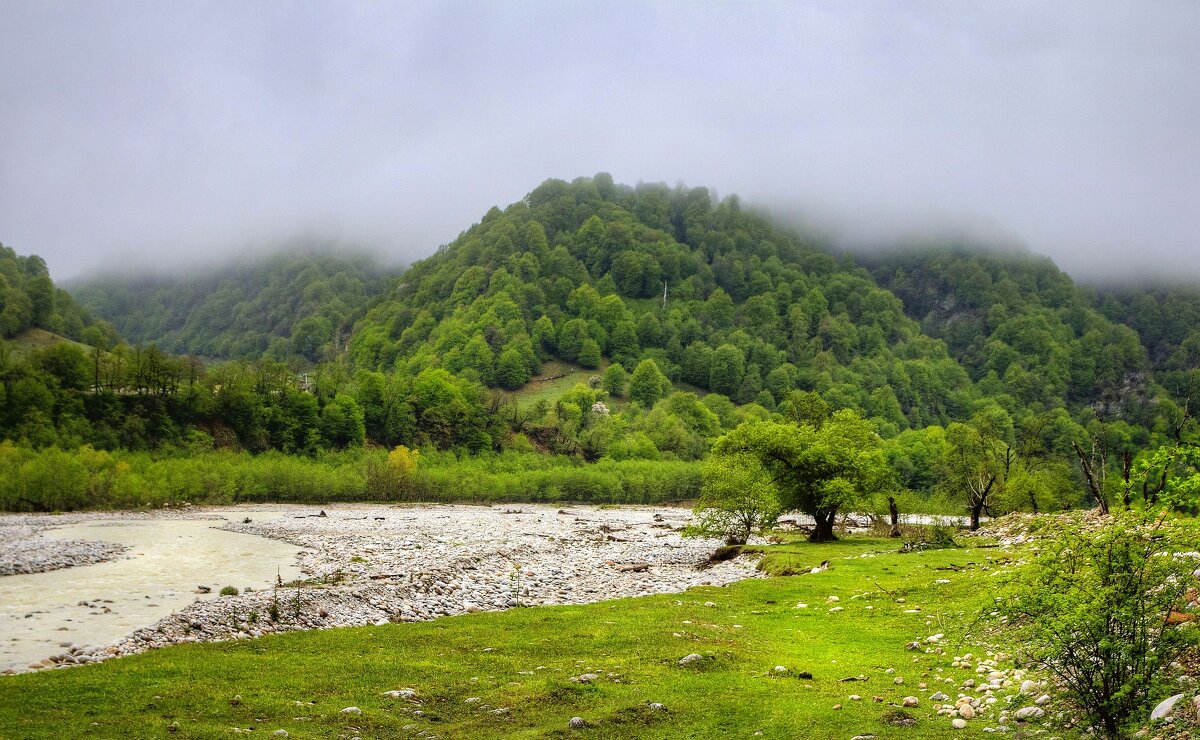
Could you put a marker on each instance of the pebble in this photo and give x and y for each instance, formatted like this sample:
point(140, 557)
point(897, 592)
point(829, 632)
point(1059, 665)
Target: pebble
point(958, 724)
point(690, 658)
point(24, 550)
point(576, 723)
point(351, 710)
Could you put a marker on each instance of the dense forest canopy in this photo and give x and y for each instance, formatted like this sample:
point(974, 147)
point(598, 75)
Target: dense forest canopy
point(29, 299)
point(283, 306)
point(992, 381)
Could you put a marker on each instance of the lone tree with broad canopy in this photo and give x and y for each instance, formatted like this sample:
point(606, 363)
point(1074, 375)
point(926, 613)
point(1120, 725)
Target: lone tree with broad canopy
point(818, 467)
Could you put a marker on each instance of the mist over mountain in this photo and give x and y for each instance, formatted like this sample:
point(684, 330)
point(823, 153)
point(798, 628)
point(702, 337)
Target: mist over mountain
point(150, 133)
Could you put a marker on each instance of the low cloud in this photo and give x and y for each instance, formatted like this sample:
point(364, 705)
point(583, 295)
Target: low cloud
point(138, 133)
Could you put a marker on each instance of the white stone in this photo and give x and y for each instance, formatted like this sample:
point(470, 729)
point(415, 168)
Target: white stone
point(1164, 707)
point(1028, 713)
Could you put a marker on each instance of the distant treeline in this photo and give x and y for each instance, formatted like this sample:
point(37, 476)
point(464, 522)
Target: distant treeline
point(52, 479)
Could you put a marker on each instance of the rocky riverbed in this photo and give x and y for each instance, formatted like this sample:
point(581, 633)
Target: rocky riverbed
point(24, 548)
point(367, 564)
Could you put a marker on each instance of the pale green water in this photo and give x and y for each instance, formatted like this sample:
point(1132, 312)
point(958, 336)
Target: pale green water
point(166, 562)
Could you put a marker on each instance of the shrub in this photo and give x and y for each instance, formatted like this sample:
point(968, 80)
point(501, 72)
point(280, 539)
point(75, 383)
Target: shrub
point(739, 499)
point(1097, 609)
point(229, 591)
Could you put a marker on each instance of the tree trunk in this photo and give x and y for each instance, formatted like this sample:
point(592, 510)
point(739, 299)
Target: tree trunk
point(976, 510)
point(1095, 485)
point(895, 512)
point(823, 532)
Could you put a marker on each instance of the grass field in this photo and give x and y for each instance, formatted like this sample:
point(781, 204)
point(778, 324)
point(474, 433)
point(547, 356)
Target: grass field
point(507, 674)
point(572, 375)
point(550, 390)
point(33, 339)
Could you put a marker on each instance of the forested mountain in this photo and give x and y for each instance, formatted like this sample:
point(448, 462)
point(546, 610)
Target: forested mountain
point(29, 299)
point(1168, 322)
point(1019, 325)
point(717, 296)
point(280, 307)
point(695, 315)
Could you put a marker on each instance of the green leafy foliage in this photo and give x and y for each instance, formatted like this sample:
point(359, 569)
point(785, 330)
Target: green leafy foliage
point(53, 479)
point(1096, 608)
point(288, 306)
point(29, 299)
point(817, 470)
point(576, 272)
point(738, 499)
point(990, 379)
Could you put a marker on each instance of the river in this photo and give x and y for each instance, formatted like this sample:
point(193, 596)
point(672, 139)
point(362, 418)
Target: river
point(167, 562)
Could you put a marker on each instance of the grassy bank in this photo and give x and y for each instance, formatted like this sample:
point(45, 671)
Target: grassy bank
point(506, 674)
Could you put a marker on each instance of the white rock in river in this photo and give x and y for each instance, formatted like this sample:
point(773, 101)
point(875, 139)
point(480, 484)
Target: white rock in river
point(1164, 707)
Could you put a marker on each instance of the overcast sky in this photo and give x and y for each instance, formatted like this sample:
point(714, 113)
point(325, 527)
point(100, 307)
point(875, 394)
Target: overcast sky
point(163, 133)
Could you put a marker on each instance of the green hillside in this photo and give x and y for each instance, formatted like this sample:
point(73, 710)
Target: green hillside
point(577, 272)
point(30, 300)
point(282, 307)
point(595, 321)
point(1020, 327)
